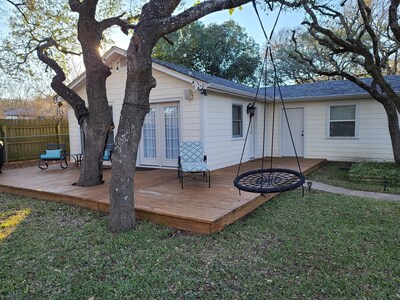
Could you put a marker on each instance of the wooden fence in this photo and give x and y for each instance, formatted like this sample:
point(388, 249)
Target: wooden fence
point(25, 139)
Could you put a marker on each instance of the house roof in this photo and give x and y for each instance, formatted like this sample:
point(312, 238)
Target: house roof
point(318, 90)
point(212, 81)
point(20, 112)
point(331, 89)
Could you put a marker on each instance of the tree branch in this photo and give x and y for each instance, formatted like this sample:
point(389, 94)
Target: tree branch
point(73, 99)
point(17, 6)
point(117, 21)
point(75, 5)
point(394, 18)
point(366, 16)
point(194, 13)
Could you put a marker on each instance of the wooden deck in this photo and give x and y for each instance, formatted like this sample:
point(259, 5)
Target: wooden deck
point(158, 196)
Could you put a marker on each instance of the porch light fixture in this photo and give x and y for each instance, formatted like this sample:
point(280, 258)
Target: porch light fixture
point(188, 94)
point(203, 91)
point(251, 109)
point(201, 87)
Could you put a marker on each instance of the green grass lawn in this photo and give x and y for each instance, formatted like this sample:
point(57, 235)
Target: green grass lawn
point(333, 173)
point(322, 246)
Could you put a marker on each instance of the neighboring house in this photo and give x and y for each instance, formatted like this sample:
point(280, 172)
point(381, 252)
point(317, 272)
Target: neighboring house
point(20, 113)
point(335, 120)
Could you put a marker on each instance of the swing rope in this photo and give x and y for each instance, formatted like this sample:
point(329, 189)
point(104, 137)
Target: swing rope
point(269, 180)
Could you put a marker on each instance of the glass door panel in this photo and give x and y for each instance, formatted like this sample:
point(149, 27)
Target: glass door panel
point(171, 131)
point(160, 136)
point(149, 138)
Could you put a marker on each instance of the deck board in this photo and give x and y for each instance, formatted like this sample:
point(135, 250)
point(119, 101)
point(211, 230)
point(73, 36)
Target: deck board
point(158, 196)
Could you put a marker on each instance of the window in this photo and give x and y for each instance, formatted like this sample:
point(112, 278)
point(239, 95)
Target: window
point(342, 121)
point(237, 121)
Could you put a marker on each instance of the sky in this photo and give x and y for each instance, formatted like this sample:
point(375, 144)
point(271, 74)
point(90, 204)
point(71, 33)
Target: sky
point(246, 18)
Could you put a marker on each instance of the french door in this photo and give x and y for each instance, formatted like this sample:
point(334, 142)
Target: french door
point(160, 136)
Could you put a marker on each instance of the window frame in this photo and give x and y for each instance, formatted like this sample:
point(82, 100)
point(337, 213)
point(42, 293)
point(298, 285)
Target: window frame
point(329, 121)
point(240, 121)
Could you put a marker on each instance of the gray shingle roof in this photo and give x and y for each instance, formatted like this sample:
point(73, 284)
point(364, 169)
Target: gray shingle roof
point(332, 88)
point(319, 89)
point(206, 78)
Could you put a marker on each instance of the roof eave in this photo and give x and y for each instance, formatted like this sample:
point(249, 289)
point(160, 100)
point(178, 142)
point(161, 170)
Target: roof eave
point(231, 91)
point(328, 97)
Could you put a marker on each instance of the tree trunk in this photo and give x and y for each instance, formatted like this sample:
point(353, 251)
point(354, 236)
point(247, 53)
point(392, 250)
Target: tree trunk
point(97, 124)
point(394, 130)
point(91, 173)
point(95, 128)
point(135, 107)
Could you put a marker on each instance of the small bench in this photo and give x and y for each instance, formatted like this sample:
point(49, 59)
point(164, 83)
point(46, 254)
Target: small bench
point(53, 152)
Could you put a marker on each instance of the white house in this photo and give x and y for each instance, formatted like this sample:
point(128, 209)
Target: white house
point(335, 120)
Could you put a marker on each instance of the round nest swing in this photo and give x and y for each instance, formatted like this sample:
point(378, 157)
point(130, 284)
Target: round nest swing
point(269, 180)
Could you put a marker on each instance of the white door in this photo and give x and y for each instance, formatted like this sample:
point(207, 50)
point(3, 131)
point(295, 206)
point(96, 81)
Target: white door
point(160, 136)
point(296, 123)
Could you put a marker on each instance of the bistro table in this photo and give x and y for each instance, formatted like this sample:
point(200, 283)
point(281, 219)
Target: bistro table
point(78, 157)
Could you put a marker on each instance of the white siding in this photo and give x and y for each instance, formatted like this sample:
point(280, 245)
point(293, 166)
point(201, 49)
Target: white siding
point(371, 143)
point(221, 148)
point(168, 89)
point(74, 129)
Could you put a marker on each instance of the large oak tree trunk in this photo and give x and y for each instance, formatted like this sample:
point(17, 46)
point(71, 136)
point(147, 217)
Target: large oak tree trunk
point(98, 122)
point(135, 107)
point(95, 127)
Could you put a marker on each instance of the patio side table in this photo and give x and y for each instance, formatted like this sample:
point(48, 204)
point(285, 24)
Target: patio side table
point(78, 157)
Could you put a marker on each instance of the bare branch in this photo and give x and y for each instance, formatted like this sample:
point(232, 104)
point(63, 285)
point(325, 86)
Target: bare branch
point(194, 13)
point(73, 99)
point(17, 6)
point(117, 21)
point(75, 5)
point(394, 18)
point(366, 16)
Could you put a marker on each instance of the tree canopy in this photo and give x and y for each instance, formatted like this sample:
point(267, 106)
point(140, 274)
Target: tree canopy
point(224, 50)
point(344, 22)
point(30, 23)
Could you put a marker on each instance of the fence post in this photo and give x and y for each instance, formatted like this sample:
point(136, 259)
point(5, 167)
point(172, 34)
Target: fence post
point(4, 129)
point(59, 132)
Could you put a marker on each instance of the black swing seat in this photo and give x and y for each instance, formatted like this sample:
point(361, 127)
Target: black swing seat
point(53, 152)
point(269, 180)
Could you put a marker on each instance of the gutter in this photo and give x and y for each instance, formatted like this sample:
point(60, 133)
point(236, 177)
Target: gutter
point(232, 91)
point(328, 98)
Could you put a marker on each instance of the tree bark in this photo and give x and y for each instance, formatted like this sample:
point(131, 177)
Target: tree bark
point(135, 107)
point(394, 130)
point(97, 124)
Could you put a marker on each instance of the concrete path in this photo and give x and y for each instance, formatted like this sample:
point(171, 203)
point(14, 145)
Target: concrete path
point(344, 191)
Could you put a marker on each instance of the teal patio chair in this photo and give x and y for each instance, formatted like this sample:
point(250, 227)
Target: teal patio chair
point(53, 152)
point(107, 152)
point(192, 160)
